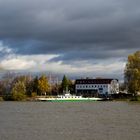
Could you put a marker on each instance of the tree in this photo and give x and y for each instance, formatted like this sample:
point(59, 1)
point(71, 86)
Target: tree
point(2, 88)
point(26, 80)
point(35, 85)
point(122, 87)
point(65, 83)
point(7, 81)
point(19, 91)
point(71, 87)
point(43, 85)
point(132, 73)
point(32, 87)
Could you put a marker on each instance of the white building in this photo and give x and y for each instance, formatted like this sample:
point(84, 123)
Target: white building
point(96, 86)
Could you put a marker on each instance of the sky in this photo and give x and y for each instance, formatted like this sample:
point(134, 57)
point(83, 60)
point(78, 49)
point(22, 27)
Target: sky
point(79, 38)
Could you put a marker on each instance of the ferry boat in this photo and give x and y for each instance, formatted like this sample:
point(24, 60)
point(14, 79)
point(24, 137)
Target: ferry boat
point(69, 98)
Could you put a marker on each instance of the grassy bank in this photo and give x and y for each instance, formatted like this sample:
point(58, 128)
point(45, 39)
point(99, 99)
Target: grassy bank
point(136, 99)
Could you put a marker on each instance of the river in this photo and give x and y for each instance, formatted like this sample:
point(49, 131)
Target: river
point(69, 121)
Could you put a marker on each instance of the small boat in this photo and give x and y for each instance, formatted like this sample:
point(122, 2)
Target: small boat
point(69, 98)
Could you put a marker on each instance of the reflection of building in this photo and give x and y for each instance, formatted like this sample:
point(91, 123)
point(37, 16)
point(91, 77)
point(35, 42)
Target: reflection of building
point(92, 87)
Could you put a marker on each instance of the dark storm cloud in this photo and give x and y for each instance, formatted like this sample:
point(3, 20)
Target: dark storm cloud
point(75, 29)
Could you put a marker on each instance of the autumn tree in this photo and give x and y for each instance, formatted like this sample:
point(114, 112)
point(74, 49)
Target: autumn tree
point(19, 91)
point(27, 80)
point(43, 85)
point(132, 73)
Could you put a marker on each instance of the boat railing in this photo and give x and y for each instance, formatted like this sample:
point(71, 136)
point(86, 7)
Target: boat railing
point(68, 95)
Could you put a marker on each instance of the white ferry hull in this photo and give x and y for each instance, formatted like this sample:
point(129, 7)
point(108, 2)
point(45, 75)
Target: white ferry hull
point(69, 99)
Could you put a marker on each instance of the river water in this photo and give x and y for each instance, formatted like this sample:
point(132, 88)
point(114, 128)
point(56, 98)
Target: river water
point(69, 121)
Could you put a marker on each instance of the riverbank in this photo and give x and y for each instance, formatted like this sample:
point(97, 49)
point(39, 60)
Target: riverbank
point(132, 99)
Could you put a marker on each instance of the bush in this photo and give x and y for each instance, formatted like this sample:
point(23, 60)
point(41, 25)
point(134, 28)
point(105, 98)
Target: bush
point(18, 97)
point(7, 97)
point(33, 94)
point(1, 98)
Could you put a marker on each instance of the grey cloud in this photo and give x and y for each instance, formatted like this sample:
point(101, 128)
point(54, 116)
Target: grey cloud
point(77, 30)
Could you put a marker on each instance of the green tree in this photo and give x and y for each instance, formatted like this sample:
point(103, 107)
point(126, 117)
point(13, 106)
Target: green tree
point(32, 87)
point(71, 87)
point(43, 85)
point(18, 91)
point(132, 73)
point(35, 85)
point(65, 83)
point(29, 88)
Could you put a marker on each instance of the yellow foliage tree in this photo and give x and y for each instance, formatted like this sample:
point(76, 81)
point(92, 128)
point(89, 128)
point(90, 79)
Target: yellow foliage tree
point(43, 85)
point(132, 73)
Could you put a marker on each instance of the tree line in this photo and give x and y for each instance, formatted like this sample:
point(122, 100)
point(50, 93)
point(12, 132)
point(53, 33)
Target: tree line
point(22, 87)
